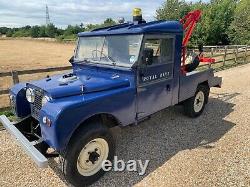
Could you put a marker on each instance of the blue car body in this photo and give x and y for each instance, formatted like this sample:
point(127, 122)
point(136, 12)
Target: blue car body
point(116, 91)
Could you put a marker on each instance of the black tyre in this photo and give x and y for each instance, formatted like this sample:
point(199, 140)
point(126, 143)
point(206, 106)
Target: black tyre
point(194, 106)
point(88, 148)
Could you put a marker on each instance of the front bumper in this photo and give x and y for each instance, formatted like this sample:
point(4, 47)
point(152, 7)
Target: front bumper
point(28, 146)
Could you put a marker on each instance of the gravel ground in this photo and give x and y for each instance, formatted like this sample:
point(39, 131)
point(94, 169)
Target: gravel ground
point(212, 150)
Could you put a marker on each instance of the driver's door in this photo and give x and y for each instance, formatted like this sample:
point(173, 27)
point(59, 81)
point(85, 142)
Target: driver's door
point(155, 81)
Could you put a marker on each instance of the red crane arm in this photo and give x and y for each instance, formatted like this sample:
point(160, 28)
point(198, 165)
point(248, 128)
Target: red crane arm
point(189, 22)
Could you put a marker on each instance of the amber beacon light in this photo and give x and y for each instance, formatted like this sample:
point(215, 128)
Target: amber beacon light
point(137, 14)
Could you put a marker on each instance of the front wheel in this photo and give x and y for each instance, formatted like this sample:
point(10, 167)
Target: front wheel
point(82, 161)
point(194, 106)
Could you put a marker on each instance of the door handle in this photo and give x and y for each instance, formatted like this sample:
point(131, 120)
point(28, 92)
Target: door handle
point(168, 88)
point(142, 89)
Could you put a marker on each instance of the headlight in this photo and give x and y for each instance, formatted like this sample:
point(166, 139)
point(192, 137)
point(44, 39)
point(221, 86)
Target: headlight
point(12, 102)
point(30, 95)
point(12, 97)
point(45, 99)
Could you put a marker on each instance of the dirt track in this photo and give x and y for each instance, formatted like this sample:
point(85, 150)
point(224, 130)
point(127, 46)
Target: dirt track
point(212, 150)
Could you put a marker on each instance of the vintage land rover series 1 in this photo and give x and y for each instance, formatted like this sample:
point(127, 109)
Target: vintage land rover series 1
point(120, 75)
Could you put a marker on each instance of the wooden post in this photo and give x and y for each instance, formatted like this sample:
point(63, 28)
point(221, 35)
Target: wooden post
point(236, 54)
point(225, 55)
point(245, 58)
point(212, 54)
point(15, 77)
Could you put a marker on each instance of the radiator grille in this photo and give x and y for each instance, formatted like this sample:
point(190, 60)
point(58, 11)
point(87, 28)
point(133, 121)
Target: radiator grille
point(13, 104)
point(37, 105)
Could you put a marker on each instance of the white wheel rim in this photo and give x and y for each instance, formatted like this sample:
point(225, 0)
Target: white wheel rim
point(199, 101)
point(90, 159)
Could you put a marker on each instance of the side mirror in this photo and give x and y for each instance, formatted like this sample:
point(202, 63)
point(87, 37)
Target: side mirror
point(147, 56)
point(71, 59)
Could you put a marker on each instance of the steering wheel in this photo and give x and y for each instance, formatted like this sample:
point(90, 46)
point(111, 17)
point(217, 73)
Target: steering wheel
point(101, 52)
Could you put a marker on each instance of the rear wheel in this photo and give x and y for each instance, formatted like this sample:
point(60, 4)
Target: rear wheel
point(194, 106)
point(82, 161)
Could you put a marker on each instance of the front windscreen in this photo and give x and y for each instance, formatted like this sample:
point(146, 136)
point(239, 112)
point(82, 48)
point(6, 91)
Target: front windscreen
point(120, 50)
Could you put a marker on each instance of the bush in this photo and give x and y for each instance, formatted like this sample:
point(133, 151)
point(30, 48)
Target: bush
point(70, 33)
point(51, 31)
point(8, 113)
point(9, 33)
point(21, 33)
point(4, 30)
point(34, 32)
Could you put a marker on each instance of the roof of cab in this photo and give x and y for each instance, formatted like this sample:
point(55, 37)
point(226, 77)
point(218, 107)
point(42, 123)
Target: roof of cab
point(131, 28)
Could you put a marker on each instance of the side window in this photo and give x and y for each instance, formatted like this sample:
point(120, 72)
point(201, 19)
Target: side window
point(163, 50)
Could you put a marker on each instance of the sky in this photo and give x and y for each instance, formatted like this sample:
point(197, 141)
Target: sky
point(17, 13)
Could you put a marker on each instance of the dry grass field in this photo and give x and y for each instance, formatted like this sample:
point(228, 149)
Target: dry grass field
point(30, 54)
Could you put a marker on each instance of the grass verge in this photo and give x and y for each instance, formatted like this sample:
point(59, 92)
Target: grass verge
point(9, 114)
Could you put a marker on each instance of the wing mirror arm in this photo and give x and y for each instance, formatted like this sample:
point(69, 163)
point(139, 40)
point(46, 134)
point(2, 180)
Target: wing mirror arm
point(71, 59)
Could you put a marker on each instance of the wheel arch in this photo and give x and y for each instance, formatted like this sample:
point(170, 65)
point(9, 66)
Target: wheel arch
point(107, 119)
point(188, 88)
point(205, 83)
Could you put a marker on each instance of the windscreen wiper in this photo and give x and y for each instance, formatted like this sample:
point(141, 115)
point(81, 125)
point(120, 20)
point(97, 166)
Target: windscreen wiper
point(83, 61)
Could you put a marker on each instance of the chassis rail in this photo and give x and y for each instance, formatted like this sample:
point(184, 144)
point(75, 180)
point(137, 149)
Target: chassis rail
point(34, 154)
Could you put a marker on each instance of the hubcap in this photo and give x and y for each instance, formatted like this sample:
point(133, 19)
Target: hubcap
point(90, 159)
point(199, 101)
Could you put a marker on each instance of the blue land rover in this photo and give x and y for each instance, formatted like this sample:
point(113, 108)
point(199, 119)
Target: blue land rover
point(120, 75)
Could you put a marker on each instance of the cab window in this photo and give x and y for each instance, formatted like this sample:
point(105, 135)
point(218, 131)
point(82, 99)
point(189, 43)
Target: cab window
point(162, 49)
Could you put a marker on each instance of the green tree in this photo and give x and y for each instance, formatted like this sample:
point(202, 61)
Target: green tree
point(4, 30)
point(34, 31)
point(90, 27)
point(212, 29)
point(60, 31)
point(9, 33)
point(109, 22)
point(217, 21)
point(26, 28)
point(199, 34)
point(42, 31)
point(172, 10)
point(51, 30)
point(239, 31)
point(70, 33)
point(73, 30)
point(22, 32)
